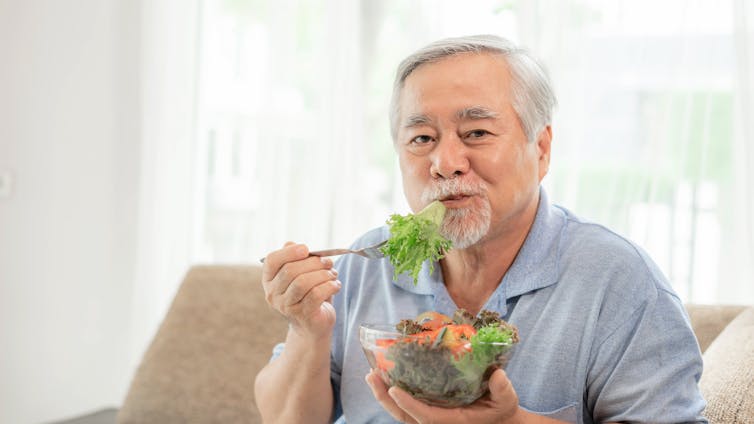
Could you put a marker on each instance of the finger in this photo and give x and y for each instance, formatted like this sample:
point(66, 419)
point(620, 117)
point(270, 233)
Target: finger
point(304, 283)
point(317, 296)
point(418, 410)
point(502, 394)
point(290, 271)
point(501, 388)
point(380, 392)
point(276, 259)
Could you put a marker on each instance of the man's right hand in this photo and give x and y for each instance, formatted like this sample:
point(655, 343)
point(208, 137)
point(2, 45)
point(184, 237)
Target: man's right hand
point(301, 287)
point(297, 384)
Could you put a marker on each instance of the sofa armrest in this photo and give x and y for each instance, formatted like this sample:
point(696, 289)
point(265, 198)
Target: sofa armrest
point(201, 364)
point(708, 321)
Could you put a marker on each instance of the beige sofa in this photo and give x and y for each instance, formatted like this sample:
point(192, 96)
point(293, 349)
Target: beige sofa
point(219, 332)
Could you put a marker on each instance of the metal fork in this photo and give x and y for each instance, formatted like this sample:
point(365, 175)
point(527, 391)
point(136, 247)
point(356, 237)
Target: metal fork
point(370, 252)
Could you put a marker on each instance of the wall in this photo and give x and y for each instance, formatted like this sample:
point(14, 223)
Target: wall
point(69, 136)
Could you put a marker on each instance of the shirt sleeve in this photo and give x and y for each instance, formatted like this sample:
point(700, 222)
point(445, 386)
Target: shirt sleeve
point(648, 368)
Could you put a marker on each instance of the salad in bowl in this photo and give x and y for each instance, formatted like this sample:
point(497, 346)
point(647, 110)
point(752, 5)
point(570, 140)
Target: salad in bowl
point(444, 361)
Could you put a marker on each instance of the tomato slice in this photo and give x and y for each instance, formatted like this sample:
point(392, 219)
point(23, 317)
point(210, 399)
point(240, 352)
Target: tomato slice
point(385, 343)
point(457, 338)
point(425, 337)
point(431, 320)
point(460, 331)
point(379, 354)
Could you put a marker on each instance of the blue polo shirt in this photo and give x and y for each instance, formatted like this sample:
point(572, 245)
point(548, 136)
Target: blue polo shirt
point(603, 335)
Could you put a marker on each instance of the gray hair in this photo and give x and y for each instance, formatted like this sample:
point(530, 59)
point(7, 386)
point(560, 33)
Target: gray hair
point(533, 96)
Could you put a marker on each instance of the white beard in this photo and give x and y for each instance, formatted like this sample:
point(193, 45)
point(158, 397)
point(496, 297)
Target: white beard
point(465, 226)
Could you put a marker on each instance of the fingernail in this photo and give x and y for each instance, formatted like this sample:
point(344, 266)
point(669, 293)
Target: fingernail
point(326, 261)
point(338, 283)
point(301, 250)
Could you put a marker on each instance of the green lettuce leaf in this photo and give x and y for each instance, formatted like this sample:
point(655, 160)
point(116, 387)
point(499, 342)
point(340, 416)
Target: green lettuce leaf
point(488, 348)
point(415, 239)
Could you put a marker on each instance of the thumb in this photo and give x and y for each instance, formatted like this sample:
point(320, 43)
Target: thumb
point(502, 393)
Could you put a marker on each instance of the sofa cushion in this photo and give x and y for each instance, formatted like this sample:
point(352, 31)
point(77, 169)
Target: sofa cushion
point(201, 364)
point(727, 382)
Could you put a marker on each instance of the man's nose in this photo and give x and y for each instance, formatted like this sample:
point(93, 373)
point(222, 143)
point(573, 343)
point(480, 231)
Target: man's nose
point(449, 158)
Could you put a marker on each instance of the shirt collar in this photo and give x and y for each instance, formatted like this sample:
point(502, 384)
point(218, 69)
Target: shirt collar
point(535, 266)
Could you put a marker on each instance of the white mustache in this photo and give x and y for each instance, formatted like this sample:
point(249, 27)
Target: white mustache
point(454, 187)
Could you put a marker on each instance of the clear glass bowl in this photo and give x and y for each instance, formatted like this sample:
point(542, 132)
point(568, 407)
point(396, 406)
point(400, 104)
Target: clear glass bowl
point(447, 376)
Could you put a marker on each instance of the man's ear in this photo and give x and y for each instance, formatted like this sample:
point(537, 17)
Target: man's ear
point(544, 139)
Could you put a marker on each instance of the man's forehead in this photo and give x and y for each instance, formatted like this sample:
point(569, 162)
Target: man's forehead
point(475, 112)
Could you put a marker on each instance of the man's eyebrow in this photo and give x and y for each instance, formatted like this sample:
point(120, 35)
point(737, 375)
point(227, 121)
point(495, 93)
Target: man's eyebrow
point(417, 120)
point(476, 112)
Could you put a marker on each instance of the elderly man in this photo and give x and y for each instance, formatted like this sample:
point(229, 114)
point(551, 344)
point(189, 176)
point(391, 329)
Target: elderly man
point(603, 336)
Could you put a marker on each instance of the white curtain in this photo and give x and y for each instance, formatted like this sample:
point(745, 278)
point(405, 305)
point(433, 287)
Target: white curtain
point(738, 280)
point(166, 208)
point(280, 141)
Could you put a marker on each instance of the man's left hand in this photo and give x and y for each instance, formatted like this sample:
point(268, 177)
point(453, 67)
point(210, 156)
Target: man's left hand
point(499, 406)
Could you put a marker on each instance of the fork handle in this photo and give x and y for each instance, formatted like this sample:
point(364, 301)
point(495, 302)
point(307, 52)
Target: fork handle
point(330, 252)
point(323, 253)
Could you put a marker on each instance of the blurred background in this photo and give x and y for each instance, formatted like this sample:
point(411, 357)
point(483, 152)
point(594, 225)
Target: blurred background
point(140, 137)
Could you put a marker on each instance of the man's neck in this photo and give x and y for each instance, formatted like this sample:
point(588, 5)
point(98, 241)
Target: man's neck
point(471, 275)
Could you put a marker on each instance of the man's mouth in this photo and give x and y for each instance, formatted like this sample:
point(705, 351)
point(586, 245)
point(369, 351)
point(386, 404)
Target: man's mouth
point(454, 197)
point(455, 200)
point(457, 195)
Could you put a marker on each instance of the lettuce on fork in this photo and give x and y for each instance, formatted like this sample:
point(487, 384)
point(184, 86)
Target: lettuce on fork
point(415, 239)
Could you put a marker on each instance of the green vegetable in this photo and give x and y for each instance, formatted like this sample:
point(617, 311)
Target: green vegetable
point(488, 348)
point(415, 239)
point(482, 343)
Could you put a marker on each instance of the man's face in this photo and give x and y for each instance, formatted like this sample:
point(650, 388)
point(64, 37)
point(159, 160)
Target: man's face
point(459, 140)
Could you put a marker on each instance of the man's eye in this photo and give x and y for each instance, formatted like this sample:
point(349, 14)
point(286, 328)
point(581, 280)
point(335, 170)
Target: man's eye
point(421, 139)
point(477, 133)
